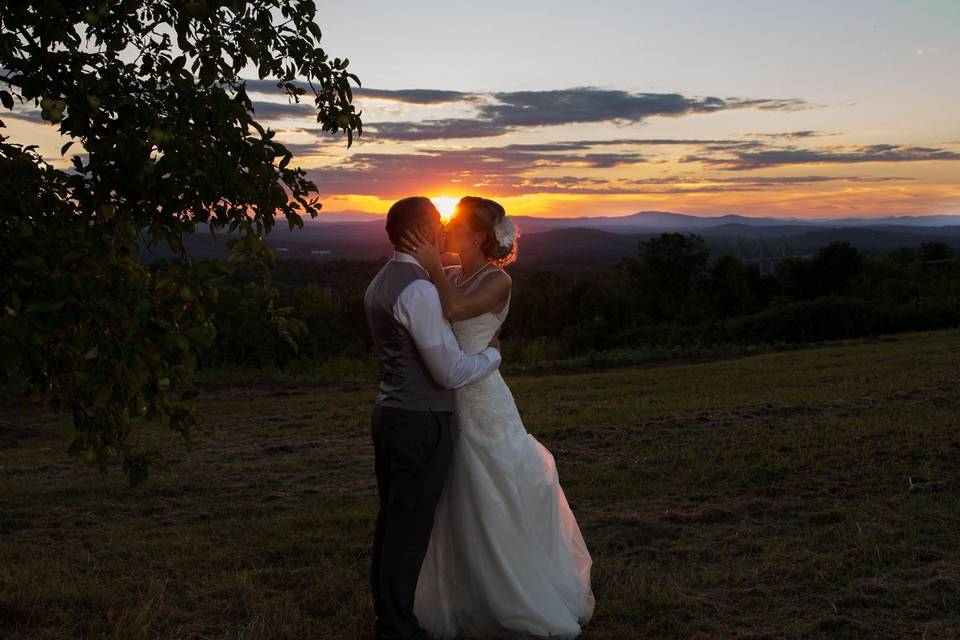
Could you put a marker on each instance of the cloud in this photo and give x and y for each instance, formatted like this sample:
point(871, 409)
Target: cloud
point(792, 134)
point(575, 145)
point(517, 169)
point(283, 110)
point(499, 113)
point(270, 86)
point(447, 128)
point(608, 160)
point(679, 184)
point(309, 148)
point(737, 160)
point(793, 180)
point(626, 142)
point(417, 96)
point(588, 104)
point(407, 96)
point(29, 116)
point(500, 169)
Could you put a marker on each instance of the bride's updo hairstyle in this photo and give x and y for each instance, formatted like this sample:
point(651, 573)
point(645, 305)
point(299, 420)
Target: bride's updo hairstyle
point(488, 217)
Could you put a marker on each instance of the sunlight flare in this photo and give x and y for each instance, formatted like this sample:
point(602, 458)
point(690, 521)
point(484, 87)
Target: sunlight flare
point(445, 205)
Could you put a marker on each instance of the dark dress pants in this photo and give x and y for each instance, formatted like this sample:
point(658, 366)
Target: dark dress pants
point(412, 454)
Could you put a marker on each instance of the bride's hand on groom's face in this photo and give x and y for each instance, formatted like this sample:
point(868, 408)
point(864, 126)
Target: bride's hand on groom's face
point(416, 243)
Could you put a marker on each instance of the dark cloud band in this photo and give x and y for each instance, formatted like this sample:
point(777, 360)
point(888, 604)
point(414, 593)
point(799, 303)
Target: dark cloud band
point(498, 113)
point(745, 160)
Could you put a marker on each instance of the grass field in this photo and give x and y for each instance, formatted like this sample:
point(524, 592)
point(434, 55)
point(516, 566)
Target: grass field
point(797, 494)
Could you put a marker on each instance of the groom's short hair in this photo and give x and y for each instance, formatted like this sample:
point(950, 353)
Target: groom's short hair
point(409, 213)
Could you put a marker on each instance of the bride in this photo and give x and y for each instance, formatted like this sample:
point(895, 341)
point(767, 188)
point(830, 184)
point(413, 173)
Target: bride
point(506, 555)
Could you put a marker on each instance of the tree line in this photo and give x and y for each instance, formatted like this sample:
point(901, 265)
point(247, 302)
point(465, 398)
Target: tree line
point(670, 295)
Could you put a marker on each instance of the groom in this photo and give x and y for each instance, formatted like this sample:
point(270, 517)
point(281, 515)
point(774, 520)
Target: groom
point(420, 364)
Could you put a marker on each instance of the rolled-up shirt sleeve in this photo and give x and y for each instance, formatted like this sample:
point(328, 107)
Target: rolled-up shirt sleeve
point(418, 309)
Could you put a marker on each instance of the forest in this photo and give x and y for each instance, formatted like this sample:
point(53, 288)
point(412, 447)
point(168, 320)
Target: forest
point(670, 300)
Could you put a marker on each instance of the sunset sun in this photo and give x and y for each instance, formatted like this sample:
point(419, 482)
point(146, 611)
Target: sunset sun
point(445, 205)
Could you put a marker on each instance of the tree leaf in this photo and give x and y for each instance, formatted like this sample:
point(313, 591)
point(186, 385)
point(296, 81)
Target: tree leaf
point(77, 446)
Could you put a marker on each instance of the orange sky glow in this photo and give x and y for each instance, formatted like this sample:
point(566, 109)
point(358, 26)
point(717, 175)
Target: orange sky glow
point(813, 110)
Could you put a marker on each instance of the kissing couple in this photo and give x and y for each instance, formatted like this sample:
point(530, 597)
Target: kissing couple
point(474, 535)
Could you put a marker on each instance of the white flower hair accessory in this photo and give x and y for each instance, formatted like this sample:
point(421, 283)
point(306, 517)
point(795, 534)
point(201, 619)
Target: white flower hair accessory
point(505, 232)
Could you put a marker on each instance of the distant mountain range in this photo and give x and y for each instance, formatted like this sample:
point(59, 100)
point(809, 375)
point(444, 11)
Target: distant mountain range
point(587, 242)
point(659, 221)
point(667, 221)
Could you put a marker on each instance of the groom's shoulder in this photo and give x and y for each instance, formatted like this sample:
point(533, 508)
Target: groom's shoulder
point(402, 272)
point(419, 286)
point(397, 278)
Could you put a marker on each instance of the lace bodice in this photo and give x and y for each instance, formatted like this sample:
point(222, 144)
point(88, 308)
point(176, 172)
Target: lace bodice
point(474, 334)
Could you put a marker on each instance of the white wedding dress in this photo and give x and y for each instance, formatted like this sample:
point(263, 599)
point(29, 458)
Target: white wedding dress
point(506, 556)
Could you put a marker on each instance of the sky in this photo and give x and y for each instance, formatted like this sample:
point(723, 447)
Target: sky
point(783, 109)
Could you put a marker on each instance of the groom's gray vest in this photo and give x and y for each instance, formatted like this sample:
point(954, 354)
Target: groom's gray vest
point(405, 381)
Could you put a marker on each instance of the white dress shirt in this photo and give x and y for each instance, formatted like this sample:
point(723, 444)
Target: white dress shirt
point(419, 310)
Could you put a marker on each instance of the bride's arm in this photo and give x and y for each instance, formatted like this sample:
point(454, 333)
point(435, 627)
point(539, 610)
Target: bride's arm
point(489, 295)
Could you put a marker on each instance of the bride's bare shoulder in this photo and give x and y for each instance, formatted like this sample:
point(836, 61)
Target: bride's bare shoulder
point(497, 280)
point(505, 275)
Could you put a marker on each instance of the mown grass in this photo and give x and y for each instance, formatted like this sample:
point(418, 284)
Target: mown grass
point(793, 494)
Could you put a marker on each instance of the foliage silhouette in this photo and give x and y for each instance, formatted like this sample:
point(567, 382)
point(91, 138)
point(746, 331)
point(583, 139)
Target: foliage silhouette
point(168, 140)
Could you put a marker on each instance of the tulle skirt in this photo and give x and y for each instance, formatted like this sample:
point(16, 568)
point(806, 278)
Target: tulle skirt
point(506, 556)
